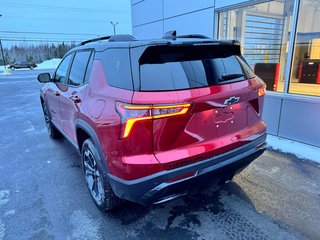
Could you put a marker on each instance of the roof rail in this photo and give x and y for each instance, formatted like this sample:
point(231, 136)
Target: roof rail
point(113, 38)
point(193, 36)
point(95, 40)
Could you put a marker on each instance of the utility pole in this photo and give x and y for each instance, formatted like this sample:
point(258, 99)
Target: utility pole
point(4, 61)
point(114, 26)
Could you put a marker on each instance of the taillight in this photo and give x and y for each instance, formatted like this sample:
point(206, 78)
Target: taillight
point(130, 114)
point(262, 91)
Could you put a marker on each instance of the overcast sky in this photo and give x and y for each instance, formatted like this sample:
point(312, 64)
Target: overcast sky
point(62, 19)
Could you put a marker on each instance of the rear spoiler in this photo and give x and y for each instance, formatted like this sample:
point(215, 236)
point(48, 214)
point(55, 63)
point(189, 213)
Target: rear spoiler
point(172, 35)
point(188, 51)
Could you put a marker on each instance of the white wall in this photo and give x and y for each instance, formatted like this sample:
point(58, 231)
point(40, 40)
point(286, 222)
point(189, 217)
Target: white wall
point(300, 120)
point(200, 22)
point(174, 8)
point(152, 18)
point(135, 1)
point(271, 113)
point(148, 31)
point(146, 12)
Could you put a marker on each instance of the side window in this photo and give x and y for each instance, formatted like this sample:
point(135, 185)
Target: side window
point(61, 73)
point(89, 68)
point(116, 66)
point(78, 68)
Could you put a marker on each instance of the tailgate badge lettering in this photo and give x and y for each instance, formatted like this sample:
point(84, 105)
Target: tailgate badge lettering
point(231, 100)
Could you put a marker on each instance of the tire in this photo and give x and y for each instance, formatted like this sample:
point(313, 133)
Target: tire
point(97, 183)
point(12, 68)
point(52, 130)
point(31, 68)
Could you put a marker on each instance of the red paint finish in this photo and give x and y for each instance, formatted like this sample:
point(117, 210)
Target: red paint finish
point(52, 98)
point(318, 75)
point(276, 77)
point(207, 129)
point(129, 158)
point(70, 103)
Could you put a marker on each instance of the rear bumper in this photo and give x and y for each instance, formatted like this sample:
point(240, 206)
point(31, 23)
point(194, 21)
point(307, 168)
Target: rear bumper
point(156, 187)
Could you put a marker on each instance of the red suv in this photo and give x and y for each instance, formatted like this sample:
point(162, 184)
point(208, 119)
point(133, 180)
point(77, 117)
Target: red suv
point(154, 120)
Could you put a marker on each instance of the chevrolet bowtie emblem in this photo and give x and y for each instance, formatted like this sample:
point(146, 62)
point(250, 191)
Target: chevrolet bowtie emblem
point(231, 100)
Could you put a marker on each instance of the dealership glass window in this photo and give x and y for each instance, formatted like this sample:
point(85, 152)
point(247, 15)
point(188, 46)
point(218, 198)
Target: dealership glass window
point(264, 31)
point(305, 69)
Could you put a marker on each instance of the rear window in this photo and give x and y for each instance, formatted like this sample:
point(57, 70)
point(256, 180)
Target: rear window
point(191, 67)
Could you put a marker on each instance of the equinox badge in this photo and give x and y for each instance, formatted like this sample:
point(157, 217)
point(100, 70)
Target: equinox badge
point(231, 100)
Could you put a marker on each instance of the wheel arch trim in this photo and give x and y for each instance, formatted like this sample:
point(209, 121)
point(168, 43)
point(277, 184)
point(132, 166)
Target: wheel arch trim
point(89, 130)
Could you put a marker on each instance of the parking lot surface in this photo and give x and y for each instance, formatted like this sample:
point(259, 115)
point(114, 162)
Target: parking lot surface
point(43, 193)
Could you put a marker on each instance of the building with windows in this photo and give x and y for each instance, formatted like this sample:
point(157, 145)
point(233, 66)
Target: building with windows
point(280, 40)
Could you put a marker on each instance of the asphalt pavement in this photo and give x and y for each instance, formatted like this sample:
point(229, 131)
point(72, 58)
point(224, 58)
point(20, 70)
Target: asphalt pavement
point(43, 193)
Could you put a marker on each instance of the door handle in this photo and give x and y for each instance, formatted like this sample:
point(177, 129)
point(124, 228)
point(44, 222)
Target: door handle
point(57, 93)
point(75, 99)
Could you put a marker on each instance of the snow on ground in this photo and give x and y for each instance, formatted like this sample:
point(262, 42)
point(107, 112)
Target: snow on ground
point(84, 226)
point(1, 68)
point(4, 197)
point(49, 64)
point(2, 71)
point(2, 229)
point(301, 150)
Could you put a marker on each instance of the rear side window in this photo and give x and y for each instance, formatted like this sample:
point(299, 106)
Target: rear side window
point(116, 65)
point(185, 68)
point(78, 68)
point(89, 68)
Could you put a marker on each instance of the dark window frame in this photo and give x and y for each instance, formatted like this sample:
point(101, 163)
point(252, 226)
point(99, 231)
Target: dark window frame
point(68, 69)
point(89, 68)
point(85, 71)
point(70, 65)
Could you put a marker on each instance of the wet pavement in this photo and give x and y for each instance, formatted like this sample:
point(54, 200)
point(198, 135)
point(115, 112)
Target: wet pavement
point(43, 193)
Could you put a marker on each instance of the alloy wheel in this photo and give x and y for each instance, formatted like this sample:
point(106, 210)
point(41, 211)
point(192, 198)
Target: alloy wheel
point(93, 176)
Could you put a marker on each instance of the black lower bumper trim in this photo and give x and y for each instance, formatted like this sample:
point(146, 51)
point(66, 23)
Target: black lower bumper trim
point(149, 189)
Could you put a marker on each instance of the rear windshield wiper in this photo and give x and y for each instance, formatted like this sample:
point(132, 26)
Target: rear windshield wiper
point(225, 77)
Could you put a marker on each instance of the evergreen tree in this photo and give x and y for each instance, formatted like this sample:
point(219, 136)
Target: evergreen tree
point(36, 52)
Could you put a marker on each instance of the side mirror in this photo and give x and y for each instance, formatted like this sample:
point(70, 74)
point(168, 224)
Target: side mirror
point(44, 78)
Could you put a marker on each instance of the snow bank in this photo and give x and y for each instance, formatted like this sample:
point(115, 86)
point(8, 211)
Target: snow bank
point(301, 150)
point(2, 72)
point(49, 64)
point(1, 68)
